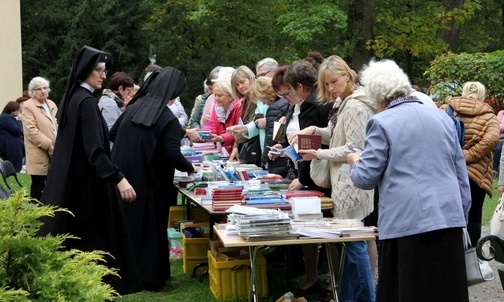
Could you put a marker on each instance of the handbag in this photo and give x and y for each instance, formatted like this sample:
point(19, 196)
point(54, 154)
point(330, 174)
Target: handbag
point(497, 222)
point(319, 173)
point(250, 151)
point(477, 270)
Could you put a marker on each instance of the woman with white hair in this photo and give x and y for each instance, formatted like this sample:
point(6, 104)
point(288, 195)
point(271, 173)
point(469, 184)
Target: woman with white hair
point(481, 136)
point(413, 155)
point(39, 127)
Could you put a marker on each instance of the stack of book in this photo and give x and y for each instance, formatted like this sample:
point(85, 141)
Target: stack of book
point(225, 197)
point(300, 193)
point(265, 227)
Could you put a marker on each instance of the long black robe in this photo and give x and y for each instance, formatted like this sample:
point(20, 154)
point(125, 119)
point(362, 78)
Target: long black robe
point(83, 179)
point(148, 157)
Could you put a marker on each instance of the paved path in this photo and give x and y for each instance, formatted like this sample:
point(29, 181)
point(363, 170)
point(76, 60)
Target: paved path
point(490, 291)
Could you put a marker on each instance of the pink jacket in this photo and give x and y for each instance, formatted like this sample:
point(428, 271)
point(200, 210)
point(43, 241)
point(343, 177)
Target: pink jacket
point(215, 127)
point(500, 118)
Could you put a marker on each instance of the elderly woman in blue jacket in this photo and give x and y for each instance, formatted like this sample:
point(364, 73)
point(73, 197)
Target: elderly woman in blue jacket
point(413, 156)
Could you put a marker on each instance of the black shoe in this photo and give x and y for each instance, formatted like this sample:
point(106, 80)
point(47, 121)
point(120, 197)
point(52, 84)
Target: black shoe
point(315, 287)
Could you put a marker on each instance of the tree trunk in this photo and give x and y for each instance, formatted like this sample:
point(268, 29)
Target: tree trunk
point(360, 26)
point(451, 36)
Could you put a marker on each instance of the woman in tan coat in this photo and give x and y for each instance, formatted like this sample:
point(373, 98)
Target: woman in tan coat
point(481, 136)
point(39, 128)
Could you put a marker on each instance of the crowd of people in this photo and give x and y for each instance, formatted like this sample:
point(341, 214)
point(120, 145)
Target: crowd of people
point(109, 162)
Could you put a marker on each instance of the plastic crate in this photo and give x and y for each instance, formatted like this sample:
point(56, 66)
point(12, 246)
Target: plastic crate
point(195, 249)
point(231, 279)
point(178, 213)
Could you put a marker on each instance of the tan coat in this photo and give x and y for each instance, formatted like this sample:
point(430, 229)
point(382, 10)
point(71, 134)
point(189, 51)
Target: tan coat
point(481, 136)
point(39, 134)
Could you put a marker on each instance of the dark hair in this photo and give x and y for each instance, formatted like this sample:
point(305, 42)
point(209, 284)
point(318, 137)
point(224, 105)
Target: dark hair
point(21, 99)
point(278, 77)
point(213, 75)
point(301, 72)
point(11, 107)
point(120, 79)
point(315, 58)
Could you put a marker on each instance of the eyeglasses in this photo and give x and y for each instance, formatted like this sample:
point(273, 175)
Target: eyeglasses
point(285, 95)
point(41, 88)
point(130, 91)
point(101, 71)
point(263, 74)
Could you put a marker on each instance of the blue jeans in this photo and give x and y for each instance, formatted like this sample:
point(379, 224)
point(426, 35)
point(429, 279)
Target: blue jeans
point(357, 284)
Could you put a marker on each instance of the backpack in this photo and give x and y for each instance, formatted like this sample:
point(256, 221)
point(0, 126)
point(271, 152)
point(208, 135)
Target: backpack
point(459, 125)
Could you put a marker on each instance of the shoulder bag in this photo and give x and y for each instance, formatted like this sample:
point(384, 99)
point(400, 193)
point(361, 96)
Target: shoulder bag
point(319, 172)
point(497, 222)
point(477, 270)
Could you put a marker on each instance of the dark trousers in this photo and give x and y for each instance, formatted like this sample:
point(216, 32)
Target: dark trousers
point(423, 267)
point(37, 186)
point(475, 213)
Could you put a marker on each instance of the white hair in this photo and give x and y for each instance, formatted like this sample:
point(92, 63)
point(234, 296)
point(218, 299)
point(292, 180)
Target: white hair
point(384, 81)
point(474, 90)
point(268, 62)
point(35, 82)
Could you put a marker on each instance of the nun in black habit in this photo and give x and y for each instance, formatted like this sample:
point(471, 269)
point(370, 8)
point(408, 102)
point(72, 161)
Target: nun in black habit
point(147, 150)
point(83, 179)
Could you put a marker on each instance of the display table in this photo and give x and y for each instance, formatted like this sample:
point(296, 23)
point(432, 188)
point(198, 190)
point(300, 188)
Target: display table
point(254, 246)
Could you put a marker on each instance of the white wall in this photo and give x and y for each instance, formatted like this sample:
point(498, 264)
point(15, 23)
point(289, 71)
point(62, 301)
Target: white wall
point(11, 70)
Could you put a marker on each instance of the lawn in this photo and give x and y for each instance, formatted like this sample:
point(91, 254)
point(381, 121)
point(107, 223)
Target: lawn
point(185, 288)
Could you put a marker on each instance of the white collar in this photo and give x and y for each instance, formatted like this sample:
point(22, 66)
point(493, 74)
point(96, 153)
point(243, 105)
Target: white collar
point(87, 86)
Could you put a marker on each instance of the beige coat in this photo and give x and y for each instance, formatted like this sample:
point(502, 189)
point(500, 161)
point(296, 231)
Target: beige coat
point(481, 136)
point(349, 131)
point(39, 134)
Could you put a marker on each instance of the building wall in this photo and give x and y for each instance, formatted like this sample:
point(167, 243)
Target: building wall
point(11, 69)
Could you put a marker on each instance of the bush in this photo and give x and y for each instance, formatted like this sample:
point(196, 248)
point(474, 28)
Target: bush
point(36, 268)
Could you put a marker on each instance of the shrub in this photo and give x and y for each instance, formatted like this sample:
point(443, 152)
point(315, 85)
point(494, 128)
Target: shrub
point(38, 268)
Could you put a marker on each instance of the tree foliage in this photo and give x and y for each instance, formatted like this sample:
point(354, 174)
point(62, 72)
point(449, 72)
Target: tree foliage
point(456, 69)
point(197, 35)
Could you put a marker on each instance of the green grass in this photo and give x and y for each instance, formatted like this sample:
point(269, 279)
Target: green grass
point(184, 288)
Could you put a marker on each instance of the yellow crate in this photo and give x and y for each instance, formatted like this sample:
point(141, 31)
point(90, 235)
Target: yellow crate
point(178, 213)
point(195, 249)
point(231, 279)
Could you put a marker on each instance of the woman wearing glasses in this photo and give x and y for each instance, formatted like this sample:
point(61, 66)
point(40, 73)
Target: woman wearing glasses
point(83, 179)
point(116, 98)
point(39, 129)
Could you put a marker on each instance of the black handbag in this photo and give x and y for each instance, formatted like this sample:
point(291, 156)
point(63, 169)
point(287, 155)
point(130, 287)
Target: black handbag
point(250, 151)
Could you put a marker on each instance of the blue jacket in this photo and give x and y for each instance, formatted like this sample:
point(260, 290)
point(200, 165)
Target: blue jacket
point(413, 156)
point(11, 140)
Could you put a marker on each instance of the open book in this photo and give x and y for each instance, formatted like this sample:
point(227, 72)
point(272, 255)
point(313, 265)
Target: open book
point(278, 132)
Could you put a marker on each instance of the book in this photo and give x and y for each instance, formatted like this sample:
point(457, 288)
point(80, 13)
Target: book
point(278, 132)
point(292, 154)
point(309, 141)
point(204, 134)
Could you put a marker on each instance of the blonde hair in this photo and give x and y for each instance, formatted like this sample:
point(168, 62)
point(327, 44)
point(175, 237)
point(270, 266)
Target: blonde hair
point(262, 90)
point(334, 66)
point(244, 72)
point(474, 90)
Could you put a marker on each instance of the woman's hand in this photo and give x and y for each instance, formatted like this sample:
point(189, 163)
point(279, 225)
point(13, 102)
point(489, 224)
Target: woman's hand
point(261, 123)
point(353, 157)
point(273, 156)
point(216, 138)
point(501, 189)
point(295, 185)
point(193, 135)
point(127, 192)
point(50, 150)
point(282, 120)
point(293, 138)
point(234, 155)
point(238, 129)
point(308, 154)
